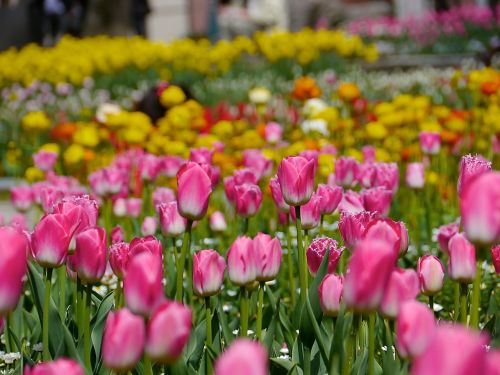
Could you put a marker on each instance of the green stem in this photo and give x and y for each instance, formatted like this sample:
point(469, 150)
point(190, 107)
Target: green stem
point(61, 278)
point(321, 228)
point(291, 276)
point(350, 350)
point(46, 305)
point(86, 327)
point(317, 332)
point(463, 303)
point(371, 344)
point(307, 361)
point(388, 334)
point(333, 358)
point(456, 303)
point(8, 338)
point(260, 306)
point(302, 257)
point(431, 303)
point(208, 317)
point(361, 334)
point(148, 369)
point(186, 243)
point(245, 225)
point(118, 293)
point(244, 311)
point(476, 297)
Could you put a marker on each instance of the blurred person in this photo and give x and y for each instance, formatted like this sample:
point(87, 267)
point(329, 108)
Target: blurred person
point(36, 17)
point(74, 19)
point(233, 19)
point(54, 10)
point(268, 14)
point(140, 9)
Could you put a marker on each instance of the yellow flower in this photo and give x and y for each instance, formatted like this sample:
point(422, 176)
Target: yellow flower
point(171, 96)
point(348, 91)
point(86, 135)
point(51, 147)
point(259, 95)
point(34, 174)
point(35, 121)
point(376, 130)
point(74, 154)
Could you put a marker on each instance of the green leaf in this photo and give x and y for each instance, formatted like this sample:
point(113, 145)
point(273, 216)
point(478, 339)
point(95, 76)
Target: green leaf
point(99, 320)
point(271, 329)
point(196, 344)
point(226, 331)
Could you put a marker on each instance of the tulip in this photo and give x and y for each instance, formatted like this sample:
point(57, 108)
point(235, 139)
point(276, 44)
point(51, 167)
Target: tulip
point(366, 174)
point(268, 256)
point(462, 262)
point(248, 198)
point(45, 160)
point(368, 273)
point(330, 294)
point(445, 232)
point(229, 185)
point(390, 231)
point(119, 255)
point(330, 198)
point(217, 222)
point(368, 153)
point(170, 165)
point(310, 213)
point(120, 207)
point(352, 226)
point(346, 169)
point(296, 178)
point(311, 155)
point(123, 340)
point(50, 196)
point(142, 285)
point(201, 155)
point(168, 332)
point(242, 261)
point(273, 132)
point(317, 250)
point(90, 255)
point(471, 167)
point(479, 205)
point(245, 176)
point(415, 327)
point(415, 175)
point(492, 361)
point(387, 176)
point(452, 350)
point(13, 266)
point(162, 195)
point(149, 226)
point(21, 197)
point(2, 324)
point(430, 142)
point(431, 274)
point(352, 202)
point(60, 366)
point(280, 203)
point(495, 256)
point(134, 207)
point(243, 357)
point(149, 167)
point(403, 286)
point(18, 221)
point(377, 199)
point(172, 224)
point(117, 234)
point(193, 197)
point(258, 163)
point(208, 272)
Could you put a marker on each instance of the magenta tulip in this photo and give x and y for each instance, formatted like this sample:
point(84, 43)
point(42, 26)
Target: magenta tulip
point(366, 174)
point(330, 294)
point(217, 222)
point(492, 361)
point(317, 250)
point(22, 197)
point(390, 231)
point(310, 213)
point(123, 340)
point(168, 332)
point(201, 155)
point(162, 195)
point(403, 286)
point(430, 142)
point(117, 234)
point(273, 132)
point(45, 160)
point(352, 226)
point(445, 232)
point(172, 224)
point(387, 176)
point(268, 255)
point(431, 274)
point(147, 244)
point(330, 198)
point(296, 178)
point(118, 258)
point(377, 199)
point(58, 367)
point(208, 272)
point(258, 163)
point(242, 261)
point(134, 207)
point(243, 357)
point(346, 170)
point(471, 167)
point(90, 255)
point(462, 262)
point(415, 175)
point(351, 203)
point(495, 256)
point(193, 197)
point(149, 226)
point(248, 198)
point(280, 203)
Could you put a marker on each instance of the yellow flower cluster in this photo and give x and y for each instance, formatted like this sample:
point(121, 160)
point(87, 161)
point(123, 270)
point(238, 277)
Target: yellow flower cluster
point(35, 122)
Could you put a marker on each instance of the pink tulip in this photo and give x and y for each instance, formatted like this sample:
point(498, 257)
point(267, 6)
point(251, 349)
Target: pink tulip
point(162, 195)
point(120, 207)
point(149, 167)
point(352, 226)
point(50, 240)
point(430, 142)
point(168, 332)
point(268, 255)
point(431, 274)
point(90, 255)
point(229, 185)
point(193, 197)
point(445, 232)
point(311, 155)
point(495, 256)
point(118, 258)
point(452, 350)
point(492, 361)
point(471, 167)
point(330, 294)
point(50, 196)
point(45, 160)
point(172, 224)
point(368, 273)
point(107, 181)
point(280, 203)
point(415, 175)
point(415, 327)
point(248, 198)
point(21, 197)
point(296, 178)
point(208, 272)
point(403, 286)
point(18, 221)
point(243, 357)
point(60, 366)
point(201, 155)
point(273, 132)
point(480, 205)
point(245, 176)
point(134, 207)
point(2, 324)
point(242, 261)
point(368, 153)
point(377, 199)
point(387, 176)
point(317, 250)
point(142, 285)
point(390, 231)
point(258, 163)
point(217, 222)
point(170, 165)
point(123, 340)
point(330, 198)
point(366, 174)
point(149, 226)
point(148, 244)
point(310, 213)
point(352, 202)
point(462, 262)
point(82, 212)
point(13, 266)
point(346, 170)
point(117, 234)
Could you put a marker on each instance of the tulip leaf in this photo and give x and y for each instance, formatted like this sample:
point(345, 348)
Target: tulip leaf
point(99, 321)
point(196, 344)
point(226, 331)
point(271, 330)
point(284, 366)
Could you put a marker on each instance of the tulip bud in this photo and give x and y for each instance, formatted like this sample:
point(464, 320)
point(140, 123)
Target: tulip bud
point(296, 178)
point(45, 160)
point(13, 266)
point(118, 258)
point(330, 198)
point(368, 273)
point(248, 198)
point(208, 272)
point(470, 168)
point(168, 332)
point(445, 232)
point(162, 195)
point(415, 327)
point(60, 366)
point(117, 234)
point(368, 153)
point(192, 198)
point(142, 285)
point(171, 222)
point(430, 142)
point(402, 286)
point(147, 244)
point(346, 169)
point(462, 262)
point(415, 175)
point(21, 197)
point(134, 207)
point(479, 205)
point(243, 357)
point(377, 199)
point(149, 226)
point(352, 226)
point(352, 203)
point(90, 255)
point(123, 340)
point(317, 250)
point(242, 261)
point(330, 293)
point(217, 222)
point(277, 195)
point(495, 256)
point(120, 207)
point(273, 132)
point(268, 256)
point(431, 274)
point(310, 213)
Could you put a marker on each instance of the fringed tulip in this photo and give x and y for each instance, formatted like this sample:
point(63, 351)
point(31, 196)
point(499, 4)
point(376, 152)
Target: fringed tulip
point(172, 224)
point(431, 274)
point(471, 167)
point(330, 198)
point(445, 232)
point(352, 203)
point(430, 142)
point(208, 272)
point(330, 294)
point(217, 222)
point(403, 286)
point(268, 254)
point(147, 244)
point(194, 187)
point(118, 258)
point(21, 197)
point(462, 262)
point(317, 250)
point(415, 175)
point(296, 178)
point(377, 199)
point(90, 255)
point(248, 198)
point(242, 261)
point(352, 226)
point(346, 170)
point(387, 176)
point(243, 357)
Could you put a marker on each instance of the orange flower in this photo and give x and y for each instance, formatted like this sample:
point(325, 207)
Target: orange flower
point(64, 132)
point(489, 88)
point(305, 88)
point(348, 91)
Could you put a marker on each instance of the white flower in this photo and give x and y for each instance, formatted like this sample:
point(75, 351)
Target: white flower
point(318, 125)
point(259, 95)
point(105, 110)
point(313, 106)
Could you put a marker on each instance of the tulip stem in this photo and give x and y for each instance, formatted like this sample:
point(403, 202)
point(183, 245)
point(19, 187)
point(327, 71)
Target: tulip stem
point(186, 243)
point(61, 277)
point(148, 369)
point(46, 305)
point(208, 317)
point(321, 222)
point(350, 348)
point(302, 257)
point(8, 338)
point(244, 311)
point(118, 293)
point(86, 327)
point(260, 306)
point(291, 277)
point(476, 297)
point(456, 303)
point(431, 303)
point(307, 361)
point(371, 344)
point(463, 303)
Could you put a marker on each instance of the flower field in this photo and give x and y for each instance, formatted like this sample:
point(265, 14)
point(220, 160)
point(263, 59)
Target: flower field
point(264, 205)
